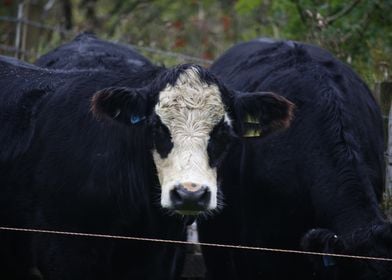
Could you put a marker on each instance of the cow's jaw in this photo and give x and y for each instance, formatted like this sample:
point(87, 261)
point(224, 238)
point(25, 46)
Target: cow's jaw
point(190, 109)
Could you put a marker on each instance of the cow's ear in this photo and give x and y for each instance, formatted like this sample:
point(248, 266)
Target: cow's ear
point(126, 105)
point(18, 114)
point(259, 113)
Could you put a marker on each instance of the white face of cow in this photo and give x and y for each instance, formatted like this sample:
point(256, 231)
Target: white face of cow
point(190, 110)
point(190, 128)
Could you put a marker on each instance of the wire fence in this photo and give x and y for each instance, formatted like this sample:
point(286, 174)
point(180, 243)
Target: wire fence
point(36, 24)
point(179, 242)
point(17, 50)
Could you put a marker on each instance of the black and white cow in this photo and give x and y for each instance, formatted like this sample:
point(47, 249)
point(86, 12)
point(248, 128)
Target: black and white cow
point(318, 183)
point(104, 150)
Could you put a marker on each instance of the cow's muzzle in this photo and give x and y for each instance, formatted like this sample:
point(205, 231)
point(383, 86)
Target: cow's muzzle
point(190, 199)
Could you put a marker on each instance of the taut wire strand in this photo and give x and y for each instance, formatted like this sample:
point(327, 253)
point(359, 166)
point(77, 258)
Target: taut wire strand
point(192, 243)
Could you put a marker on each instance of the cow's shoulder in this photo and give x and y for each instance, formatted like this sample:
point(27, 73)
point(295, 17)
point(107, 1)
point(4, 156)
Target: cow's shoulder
point(24, 90)
point(19, 103)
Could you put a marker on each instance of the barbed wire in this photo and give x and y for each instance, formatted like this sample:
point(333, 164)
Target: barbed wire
point(167, 53)
point(275, 250)
point(36, 24)
point(14, 50)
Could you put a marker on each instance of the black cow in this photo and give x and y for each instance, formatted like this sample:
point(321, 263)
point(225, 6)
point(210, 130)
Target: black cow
point(318, 183)
point(87, 51)
point(99, 150)
point(48, 183)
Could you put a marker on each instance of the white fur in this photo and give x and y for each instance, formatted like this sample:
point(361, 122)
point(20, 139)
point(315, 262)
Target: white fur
point(190, 109)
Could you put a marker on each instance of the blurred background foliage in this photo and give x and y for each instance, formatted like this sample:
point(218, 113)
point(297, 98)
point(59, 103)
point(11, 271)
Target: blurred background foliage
point(357, 31)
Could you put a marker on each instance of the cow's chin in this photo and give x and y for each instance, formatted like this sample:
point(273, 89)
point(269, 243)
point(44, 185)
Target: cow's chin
point(188, 212)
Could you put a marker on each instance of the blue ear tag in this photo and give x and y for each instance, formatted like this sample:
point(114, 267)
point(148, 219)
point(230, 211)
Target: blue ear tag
point(328, 261)
point(135, 119)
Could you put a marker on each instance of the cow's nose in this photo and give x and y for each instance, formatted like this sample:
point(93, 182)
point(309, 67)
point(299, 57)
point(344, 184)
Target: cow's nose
point(189, 197)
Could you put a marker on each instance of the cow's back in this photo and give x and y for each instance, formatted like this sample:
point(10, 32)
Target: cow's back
point(87, 51)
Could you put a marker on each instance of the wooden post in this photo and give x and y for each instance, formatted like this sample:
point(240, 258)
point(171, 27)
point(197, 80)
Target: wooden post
point(19, 26)
point(388, 172)
point(384, 93)
point(31, 34)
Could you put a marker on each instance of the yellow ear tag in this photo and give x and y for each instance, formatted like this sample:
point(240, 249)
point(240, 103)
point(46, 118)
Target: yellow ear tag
point(251, 127)
point(251, 133)
point(251, 119)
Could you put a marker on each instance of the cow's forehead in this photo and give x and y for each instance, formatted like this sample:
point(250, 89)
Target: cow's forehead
point(190, 100)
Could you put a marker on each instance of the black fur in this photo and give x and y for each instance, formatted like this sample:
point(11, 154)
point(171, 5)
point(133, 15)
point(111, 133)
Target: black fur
point(86, 51)
point(19, 114)
point(325, 171)
point(372, 241)
point(219, 143)
point(121, 104)
point(161, 137)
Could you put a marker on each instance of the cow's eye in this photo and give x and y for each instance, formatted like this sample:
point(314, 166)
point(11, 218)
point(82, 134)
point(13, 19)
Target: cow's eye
point(219, 143)
point(162, 138)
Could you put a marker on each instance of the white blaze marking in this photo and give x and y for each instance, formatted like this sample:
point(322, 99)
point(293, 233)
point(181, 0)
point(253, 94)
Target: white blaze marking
point(190, 109)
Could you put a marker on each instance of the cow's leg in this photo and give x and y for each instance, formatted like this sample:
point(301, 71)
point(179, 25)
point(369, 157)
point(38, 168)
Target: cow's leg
point(15, 256)
point(219, 261)
point(73, 258)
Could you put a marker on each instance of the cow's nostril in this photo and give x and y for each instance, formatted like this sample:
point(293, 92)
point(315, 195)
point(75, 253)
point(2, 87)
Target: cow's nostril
point(185, 200)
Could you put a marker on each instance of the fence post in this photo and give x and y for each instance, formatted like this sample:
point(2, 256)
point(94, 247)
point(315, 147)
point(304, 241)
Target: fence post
point(19, 26)
point(33, 12)
point(384, 93)
point(388, 181)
